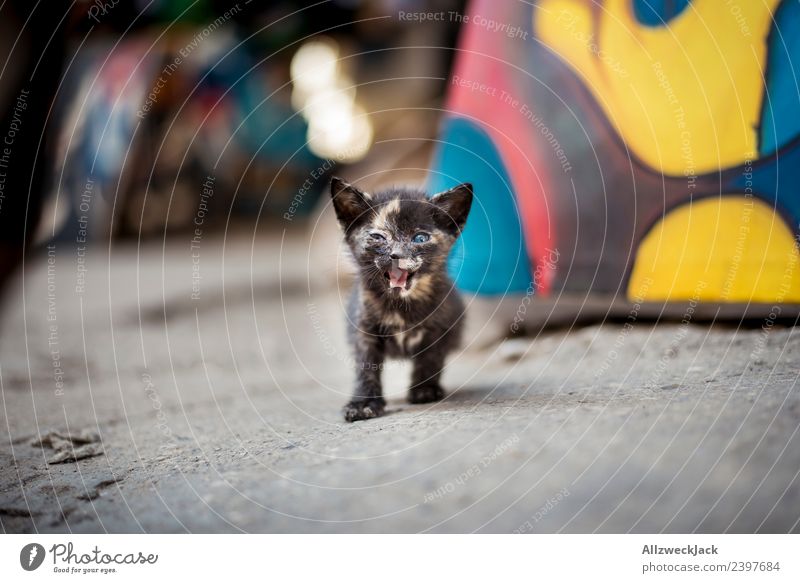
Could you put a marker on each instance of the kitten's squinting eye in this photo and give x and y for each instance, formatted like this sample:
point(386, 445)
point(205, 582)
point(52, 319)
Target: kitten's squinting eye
point(421, 238)
point(377, 237)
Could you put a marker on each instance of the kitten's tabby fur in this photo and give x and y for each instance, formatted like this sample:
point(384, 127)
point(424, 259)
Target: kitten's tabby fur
point(404, 305)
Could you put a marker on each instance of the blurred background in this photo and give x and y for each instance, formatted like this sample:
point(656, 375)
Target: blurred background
point(142, 112)
point(151, 99)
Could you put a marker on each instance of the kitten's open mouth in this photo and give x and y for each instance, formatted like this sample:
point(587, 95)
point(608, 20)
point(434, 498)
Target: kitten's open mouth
point(398, 278)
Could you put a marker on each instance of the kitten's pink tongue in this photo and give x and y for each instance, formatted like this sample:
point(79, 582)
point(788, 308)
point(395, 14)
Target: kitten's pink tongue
point(397, 277)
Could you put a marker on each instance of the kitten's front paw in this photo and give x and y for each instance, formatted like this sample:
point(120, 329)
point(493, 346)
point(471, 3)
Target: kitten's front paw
point(360, 409)
point(425, 394)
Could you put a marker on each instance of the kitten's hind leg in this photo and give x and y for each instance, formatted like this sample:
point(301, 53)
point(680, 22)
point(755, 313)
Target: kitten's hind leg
point(367, 401)
point(425, 387)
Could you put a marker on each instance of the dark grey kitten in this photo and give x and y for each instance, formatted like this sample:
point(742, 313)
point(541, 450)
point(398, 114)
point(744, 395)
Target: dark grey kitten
point(404, 305)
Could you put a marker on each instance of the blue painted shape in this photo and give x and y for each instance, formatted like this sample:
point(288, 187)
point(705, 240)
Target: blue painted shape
point(780, 121)
point(490, 256)
point(775, 180)
point(658, 12)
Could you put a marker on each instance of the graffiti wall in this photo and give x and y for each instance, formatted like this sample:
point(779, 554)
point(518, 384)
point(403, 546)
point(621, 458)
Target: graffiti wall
point(647, 149)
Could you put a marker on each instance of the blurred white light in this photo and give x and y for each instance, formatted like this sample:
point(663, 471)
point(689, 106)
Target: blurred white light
point(326, 100)
point(315, 64)
point(341, 135)
point(337, 127)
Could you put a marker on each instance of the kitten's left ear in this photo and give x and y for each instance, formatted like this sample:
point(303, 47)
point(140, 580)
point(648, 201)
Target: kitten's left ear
point(453, 206)
point(350, 203)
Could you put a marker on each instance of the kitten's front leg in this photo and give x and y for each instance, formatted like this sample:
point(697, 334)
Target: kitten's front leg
point(425, 387)
point(367, 401)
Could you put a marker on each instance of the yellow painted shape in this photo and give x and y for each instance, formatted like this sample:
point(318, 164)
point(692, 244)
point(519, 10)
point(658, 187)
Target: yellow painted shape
point(730, 249)
point(685, 97)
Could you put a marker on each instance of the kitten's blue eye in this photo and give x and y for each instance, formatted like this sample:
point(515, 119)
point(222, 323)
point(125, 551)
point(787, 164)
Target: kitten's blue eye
point(421, 238)
point(377, 237)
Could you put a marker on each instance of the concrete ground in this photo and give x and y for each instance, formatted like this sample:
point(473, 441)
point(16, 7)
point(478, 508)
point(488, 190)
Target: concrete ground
point(222, 413)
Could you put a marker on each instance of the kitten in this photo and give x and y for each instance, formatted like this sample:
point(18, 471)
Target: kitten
point(404, 305)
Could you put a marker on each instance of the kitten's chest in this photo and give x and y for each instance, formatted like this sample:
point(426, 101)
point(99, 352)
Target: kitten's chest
point(403, 337)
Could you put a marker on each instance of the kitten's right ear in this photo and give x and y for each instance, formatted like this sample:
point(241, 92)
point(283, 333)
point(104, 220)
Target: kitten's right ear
point(453, 207)
point(349, 202)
